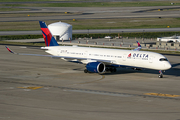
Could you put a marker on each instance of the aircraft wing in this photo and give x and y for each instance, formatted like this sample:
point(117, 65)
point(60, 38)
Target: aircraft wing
point(27, 54)
point(52, 56)
point(139, 47)
point(70, 59)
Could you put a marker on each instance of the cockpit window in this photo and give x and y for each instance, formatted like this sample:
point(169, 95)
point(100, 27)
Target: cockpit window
point(163, 59)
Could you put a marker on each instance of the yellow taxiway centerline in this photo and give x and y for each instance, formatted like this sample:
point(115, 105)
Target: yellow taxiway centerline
point(161, 94)
point(33, 88)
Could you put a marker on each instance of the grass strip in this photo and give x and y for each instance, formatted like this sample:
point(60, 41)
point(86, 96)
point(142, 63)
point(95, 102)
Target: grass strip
point(76, 36)
point(95, 4)
point(81, 24)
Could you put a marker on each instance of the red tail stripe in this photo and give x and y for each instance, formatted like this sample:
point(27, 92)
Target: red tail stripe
point(49, 35)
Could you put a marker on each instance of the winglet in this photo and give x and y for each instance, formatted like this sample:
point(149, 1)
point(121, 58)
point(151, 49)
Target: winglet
point(139, 47)
point(48, 38)
point(9, 50)
point(138, 44)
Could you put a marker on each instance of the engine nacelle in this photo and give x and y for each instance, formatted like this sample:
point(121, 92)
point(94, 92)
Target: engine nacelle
point(96, 67)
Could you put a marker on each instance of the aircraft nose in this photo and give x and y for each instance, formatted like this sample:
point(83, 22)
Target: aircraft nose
point(168, 65)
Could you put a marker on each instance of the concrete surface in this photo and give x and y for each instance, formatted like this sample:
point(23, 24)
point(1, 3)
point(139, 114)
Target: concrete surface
point(44, 88)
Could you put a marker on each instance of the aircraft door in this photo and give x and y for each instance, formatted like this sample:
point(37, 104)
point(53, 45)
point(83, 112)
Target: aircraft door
point(59, 52)
point(150, 59)
point(124, 57)
point(86, 54)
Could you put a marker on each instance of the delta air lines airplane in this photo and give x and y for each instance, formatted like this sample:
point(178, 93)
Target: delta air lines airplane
point(101, 60)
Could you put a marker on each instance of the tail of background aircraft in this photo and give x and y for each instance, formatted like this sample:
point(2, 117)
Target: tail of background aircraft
point(48, 38)
point(138, 48)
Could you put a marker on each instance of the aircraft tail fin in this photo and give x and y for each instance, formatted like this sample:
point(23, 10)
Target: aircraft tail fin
point(48, 38)
point(139, 47)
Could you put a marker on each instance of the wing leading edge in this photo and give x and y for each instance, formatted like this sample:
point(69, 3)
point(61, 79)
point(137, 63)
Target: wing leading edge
point(79, 59)
point(26, 54)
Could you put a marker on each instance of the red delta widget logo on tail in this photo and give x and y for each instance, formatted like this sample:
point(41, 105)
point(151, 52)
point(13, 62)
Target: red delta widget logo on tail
point(49, 39)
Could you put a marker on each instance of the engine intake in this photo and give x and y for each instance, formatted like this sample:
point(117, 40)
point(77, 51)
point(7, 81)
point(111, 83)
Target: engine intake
point(96, 67)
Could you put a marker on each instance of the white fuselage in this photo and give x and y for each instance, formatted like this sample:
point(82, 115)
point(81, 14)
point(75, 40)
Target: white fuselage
point(169, 39)
point(142, 59)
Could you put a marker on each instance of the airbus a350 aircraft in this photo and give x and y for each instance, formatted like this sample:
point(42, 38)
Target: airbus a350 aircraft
point(100, 60)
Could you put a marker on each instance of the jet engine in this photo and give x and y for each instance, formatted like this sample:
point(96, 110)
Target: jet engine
point(96, 67)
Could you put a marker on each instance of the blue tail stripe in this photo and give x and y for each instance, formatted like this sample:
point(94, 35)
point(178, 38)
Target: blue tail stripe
point(42, 24)
point(48, 38)
point(53, 42)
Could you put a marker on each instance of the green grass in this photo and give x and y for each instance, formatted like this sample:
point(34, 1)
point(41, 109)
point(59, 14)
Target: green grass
point(13, 9)
point(123, 23)
point(110, 4)
point(93, 4)
point(146, 35)
point(28, 0)
point(21, 43)
point(34, 14)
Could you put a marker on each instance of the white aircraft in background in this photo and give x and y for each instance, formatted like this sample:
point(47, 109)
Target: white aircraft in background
point(100, 60)
point(169, 39)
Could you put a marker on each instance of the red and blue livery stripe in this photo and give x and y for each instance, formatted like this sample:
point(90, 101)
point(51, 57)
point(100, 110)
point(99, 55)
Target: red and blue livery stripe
point(9, 50)
point(139, 47)
point(138, 44)
point(48, 38)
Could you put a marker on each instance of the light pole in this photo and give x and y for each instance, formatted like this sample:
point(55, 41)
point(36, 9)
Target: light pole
point(88, 32)
point(122, 36)
point(109, 31)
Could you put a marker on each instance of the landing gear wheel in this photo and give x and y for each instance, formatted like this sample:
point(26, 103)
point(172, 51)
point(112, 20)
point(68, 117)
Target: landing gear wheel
point(112, 70)
point(160, 74)
point(115, 70)
point(85, 71)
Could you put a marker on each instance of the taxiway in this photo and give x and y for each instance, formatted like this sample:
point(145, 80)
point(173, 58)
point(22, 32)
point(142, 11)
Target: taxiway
point(44, 88)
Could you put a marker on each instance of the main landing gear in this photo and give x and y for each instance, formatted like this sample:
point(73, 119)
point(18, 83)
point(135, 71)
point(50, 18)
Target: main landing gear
point(136, 68)
point(160, 74)
point(111, 69)
point(85, 71)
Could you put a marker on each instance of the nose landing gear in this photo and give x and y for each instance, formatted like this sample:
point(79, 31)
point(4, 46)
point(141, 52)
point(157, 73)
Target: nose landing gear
point(160, 74)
